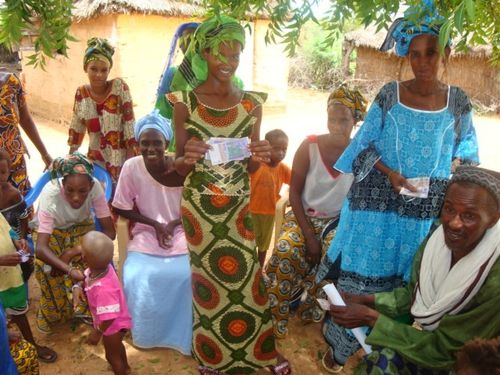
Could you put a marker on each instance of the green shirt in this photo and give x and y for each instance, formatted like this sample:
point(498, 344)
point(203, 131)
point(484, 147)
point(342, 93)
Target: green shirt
point(436, 349)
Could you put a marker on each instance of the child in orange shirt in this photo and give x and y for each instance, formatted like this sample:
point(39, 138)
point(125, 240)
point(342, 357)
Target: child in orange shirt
point(265, 185)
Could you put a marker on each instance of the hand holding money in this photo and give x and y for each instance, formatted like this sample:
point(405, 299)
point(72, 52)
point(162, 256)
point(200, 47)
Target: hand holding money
point(194, 150)
point(261, 150)
point(224, 150)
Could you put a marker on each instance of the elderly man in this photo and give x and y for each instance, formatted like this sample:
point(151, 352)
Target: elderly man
point(453, 295)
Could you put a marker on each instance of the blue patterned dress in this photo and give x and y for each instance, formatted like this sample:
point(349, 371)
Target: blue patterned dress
point(379, 230)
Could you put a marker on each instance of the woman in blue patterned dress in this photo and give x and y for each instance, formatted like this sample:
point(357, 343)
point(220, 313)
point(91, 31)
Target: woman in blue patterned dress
point(418, 128)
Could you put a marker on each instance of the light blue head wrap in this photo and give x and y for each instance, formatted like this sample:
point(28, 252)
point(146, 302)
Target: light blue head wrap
point(155, 121)
point(403, 30)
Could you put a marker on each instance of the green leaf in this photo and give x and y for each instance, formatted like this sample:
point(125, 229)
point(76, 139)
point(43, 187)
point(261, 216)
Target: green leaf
point(459, 18)
point(444, 35)
point(471, 9)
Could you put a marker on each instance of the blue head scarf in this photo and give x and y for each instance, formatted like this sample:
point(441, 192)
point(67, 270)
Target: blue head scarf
point(166, 77)
point(155, 121)
point(403, 30)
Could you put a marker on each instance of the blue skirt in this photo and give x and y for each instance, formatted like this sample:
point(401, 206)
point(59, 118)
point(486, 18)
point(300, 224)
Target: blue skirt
point(159, 298)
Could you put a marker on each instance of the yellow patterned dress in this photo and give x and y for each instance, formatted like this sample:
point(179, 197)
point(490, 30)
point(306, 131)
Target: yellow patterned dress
point(232, 326)
point(11, 99)
point(56, 300)
point(25, 357)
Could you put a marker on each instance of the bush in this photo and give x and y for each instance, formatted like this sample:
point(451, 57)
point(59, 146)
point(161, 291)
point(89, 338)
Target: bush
point(316, 65)
point(314, 71)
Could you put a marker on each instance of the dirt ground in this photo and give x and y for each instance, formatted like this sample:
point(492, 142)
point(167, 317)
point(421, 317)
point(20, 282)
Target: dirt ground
point(305, 114)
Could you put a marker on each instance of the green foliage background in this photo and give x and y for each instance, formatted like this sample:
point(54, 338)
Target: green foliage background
point(317, 62)
point(474, 21)
point(50, 20)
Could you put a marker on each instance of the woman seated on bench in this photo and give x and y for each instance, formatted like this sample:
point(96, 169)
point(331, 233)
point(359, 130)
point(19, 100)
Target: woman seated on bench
point(156, 272)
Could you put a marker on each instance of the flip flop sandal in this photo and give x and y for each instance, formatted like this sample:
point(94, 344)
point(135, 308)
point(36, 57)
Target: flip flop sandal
point(332, 370)
point(50, 355)
point(282, 369)
point(87, 320)
point(208, 371)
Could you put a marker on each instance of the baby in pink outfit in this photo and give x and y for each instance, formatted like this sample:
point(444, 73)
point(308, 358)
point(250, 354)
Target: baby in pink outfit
point(106, 300)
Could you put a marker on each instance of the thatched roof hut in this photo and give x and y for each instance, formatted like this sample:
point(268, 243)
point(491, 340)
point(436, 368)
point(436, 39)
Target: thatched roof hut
point(84, 9)
point(141, 31)
point(469, 70)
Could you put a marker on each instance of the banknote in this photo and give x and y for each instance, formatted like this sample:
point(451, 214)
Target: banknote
point(25, 256)
point(227, 149)
point(421, 184)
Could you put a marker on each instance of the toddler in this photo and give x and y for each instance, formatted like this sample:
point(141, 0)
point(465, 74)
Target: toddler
point(106, 300)
point(266, 183)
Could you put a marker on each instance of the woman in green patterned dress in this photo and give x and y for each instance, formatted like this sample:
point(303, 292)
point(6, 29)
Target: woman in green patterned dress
point(232, 327)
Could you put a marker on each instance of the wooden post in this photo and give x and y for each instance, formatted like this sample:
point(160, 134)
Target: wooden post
point(347, 48)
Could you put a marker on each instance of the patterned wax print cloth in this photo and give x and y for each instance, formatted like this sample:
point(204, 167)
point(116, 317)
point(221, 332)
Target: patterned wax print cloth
point(232, 327)
point(291, 275)
point(25, 356)
point(12, 97)
point(379, 230)
point(110, 125)
point(56, 299)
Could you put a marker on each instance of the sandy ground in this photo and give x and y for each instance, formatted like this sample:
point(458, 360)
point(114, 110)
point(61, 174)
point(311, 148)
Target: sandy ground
point(304, 347)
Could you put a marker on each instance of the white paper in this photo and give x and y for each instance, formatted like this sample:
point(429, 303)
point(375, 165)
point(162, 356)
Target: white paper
point(24, 256)
point(323, 303)
point(335, 299)
point(421, 184)
point(227, 149)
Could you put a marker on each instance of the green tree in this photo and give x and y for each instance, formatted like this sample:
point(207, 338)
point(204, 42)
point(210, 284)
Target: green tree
point(474, 21)
point(48, 20)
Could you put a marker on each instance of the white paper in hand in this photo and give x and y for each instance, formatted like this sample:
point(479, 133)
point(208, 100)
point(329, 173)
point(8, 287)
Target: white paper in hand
point(24, 256)
point(336, 299)
point(421, 184)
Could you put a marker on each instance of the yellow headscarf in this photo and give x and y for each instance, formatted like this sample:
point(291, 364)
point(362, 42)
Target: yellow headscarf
point(351, 98)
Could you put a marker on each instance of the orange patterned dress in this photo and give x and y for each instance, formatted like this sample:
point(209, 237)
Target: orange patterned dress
point(12, 98)
point(110, 125)
point(232, 326)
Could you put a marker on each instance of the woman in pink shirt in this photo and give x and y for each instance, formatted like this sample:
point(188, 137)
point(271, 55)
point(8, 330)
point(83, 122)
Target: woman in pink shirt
point(156, 274)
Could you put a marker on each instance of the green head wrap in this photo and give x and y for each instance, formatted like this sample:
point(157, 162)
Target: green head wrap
point(98, 49)
point(210, 34)
point(75, 163)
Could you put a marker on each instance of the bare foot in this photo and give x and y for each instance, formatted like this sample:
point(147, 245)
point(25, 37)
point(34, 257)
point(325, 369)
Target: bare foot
point(94, 337)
